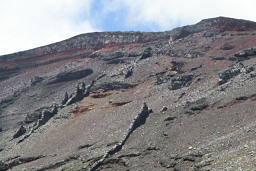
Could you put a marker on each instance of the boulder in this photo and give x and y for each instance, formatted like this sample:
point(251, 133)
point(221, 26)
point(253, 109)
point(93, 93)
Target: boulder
point(164, 108)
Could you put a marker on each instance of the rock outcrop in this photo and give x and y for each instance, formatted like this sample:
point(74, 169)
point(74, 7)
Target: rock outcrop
point(180, 82)
point(71, 75)
point(70, 105)
point(246, 53)
point(228, 74)
point(22, 130)
point(139, 120)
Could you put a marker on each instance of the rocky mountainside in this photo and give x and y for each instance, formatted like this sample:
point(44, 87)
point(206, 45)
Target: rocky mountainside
point(177, 100)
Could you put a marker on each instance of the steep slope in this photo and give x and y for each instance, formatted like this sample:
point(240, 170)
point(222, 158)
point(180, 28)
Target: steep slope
point(176, 100)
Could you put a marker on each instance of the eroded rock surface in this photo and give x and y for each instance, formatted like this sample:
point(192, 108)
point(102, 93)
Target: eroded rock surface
point(83, 103)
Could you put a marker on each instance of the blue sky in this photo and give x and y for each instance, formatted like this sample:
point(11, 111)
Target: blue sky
point(27, 24)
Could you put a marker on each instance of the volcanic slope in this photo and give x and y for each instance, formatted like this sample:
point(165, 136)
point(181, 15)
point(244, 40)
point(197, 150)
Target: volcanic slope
point(177, 100)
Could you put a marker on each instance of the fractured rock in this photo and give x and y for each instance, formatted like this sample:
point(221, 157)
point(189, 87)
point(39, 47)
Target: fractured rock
point(139, 120)
point(36, 80)
point(229, 73)
point(246, 52)
point(195, 68)
point(46, 116)
point(128, 72)
point(218, 58)
point(64, 101)
point(107, 86)
point(180, 82)
point(22, 130)
point(177, 65)
point(71, 75)
point(146, 54)
point(196, 106)
point(3, 166)
point(80, 93)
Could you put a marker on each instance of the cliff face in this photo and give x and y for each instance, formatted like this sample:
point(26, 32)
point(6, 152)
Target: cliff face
point(182, 99)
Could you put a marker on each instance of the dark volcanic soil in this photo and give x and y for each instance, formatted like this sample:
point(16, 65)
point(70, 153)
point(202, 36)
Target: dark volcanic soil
point(177, 100)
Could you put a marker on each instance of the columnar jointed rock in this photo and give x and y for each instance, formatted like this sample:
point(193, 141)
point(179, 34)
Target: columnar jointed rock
point(139, 120)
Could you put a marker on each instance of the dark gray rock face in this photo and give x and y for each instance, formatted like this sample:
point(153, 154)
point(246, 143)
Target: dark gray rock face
point(116, 61)
point(198, 105)
point(18, 161)
point(65, 99)
point(36, 80)
point(20, 132)
point(146, 54)
point(218, 58)
point(183, 53)
point(95, 41)
point(227, 46)
point(106, 86)
point(242, 98)
point(46, 116)
point(71, 75)
point(34, 116)
point(139, 120)
point(80, 93)
point(195, 107)
point(180, 82)
point(195, 68)
point(128, 72)
point(115, 55)
point(230, 73)
point(246, 53)
point(182, 32)
point(3, 166)
point(177, 66)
